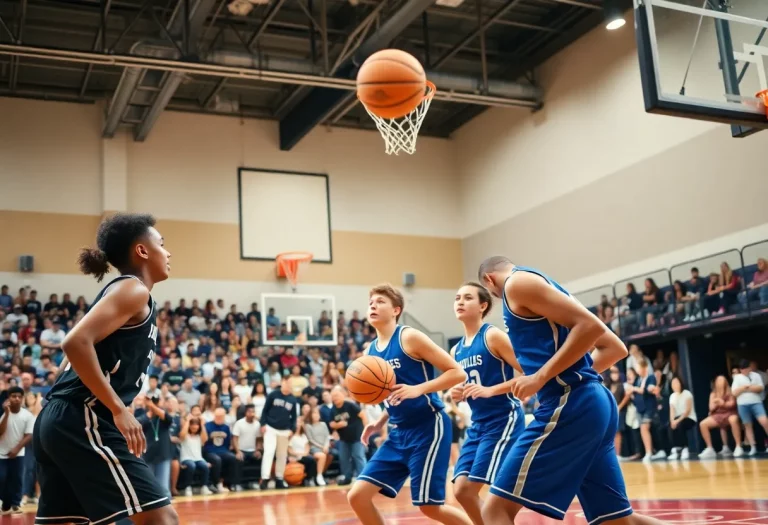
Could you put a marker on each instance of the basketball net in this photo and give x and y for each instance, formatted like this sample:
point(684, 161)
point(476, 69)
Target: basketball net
point(290, 263)
point(400, 134)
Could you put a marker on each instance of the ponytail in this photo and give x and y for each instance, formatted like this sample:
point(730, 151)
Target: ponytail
point(93, 261)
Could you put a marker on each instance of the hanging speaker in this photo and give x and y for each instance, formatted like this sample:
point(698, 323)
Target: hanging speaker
point(409, 279)
point(26, 263)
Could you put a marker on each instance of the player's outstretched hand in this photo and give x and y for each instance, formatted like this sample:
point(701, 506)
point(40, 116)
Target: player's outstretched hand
point(476, 391)
point(131, 431)
point(401, 392)
point(526, 386)
point(457, 393)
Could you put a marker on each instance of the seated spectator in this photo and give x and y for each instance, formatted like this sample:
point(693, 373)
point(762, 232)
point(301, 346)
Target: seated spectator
point(722, 414)
point(652, 300)
point(748, 388)
point(681, 302)
point(245, 439)
point(17, 317)
point(712, 303)
point(259, 398)
point(6, 301)
point(299, 451)
point(216, 451)
point(682, 418)
point(758, 288)
point(188, 395)
point(298, 381)
point(731, 286)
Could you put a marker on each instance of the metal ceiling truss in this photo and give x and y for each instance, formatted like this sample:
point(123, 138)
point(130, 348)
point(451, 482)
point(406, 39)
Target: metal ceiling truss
point(291, 60)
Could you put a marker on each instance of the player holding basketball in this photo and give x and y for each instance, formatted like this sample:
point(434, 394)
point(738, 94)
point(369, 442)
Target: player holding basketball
point(87, 443)
point(419, 444)
point(568, 449)
point(487, 357)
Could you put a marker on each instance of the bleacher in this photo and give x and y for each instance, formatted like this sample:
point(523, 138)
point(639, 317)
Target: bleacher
point(744, 307)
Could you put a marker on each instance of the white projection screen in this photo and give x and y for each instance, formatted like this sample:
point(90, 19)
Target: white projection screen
point(284, 211)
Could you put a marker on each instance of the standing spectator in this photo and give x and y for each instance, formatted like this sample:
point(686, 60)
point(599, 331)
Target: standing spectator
point(245, 435)
point(722, 414)
point(193, 436)
point(34, 403)
point(645, 403)
point(157, 431)
point(279, 423)
point(348, 420)
point(747, 388)
point(636, 356)
point(623, 398)
point(216, 451)
point(754, 367)
point(319, 442)
point(15, 432)
point(682, 418)
point(326, 408)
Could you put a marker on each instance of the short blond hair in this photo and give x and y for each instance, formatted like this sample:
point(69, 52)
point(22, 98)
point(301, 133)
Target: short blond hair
point(391, 293)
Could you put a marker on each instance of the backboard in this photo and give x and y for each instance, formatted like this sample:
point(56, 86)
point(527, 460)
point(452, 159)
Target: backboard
point(704, 59)
point(299, 320)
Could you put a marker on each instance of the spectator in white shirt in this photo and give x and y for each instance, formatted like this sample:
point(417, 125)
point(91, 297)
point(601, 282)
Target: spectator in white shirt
point(53, 335)
point(245, 436)
point(242, 389)
point(193, 436)
point(17, 316)
point(748, 388)
point(682, 418)
point(15, 433)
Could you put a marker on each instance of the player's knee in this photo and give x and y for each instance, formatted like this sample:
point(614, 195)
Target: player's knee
point(464, 490)
point(358, 495)
point(431, 511)
point(163, 516)
point(496, 507)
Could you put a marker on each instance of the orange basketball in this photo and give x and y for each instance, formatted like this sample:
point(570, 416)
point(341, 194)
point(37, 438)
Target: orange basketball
point(294, 474)
point(391, 83)
point(369, 380)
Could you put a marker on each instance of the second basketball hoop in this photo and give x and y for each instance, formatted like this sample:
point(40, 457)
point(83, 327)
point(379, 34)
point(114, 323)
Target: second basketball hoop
point(288, 265)
point(394, 90)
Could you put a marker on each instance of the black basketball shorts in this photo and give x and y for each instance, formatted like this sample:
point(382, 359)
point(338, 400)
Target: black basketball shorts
point(85, 471)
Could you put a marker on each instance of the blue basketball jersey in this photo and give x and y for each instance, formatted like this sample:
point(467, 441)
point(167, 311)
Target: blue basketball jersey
point(536, 340)
point(484, 368)
point(408, 371)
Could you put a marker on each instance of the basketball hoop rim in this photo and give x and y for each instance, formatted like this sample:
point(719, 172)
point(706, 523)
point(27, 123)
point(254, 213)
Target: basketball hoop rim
point(294, 256)
point(431, 90)
point(763, 96)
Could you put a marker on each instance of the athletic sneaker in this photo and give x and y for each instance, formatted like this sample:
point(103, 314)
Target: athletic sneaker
point(188, 492)
point(708, 453)
point(752, 451)
point(647, 458)
point(205, 491)
point(320, 480)
point(673, 456)
point(725, 452)
point(659, 455)
point(738, 452)
point(281, 484)
point(685, 454)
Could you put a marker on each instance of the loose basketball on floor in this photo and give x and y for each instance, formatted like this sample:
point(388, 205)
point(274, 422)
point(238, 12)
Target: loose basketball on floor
point(369, 380)
point(391, 83)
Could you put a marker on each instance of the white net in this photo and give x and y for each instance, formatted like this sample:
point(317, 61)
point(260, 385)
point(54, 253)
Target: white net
point(400, 134)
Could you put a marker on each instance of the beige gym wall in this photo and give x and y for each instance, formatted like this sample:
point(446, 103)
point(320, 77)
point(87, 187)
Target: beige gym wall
point(592, 183)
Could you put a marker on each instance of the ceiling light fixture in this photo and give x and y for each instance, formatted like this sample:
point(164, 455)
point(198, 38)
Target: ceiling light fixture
point(614, 14)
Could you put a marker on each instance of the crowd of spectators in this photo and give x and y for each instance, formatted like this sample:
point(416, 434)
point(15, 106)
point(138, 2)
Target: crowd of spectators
point(684, 302)
point(222, 411)
point(657, 412)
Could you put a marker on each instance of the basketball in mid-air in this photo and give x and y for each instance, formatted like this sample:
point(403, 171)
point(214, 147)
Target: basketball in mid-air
point(391, 83)
point(369, 380)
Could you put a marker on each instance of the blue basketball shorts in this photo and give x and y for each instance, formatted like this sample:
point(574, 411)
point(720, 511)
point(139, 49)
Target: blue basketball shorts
point(568, 451)
point(421, 452)
point(486, 446)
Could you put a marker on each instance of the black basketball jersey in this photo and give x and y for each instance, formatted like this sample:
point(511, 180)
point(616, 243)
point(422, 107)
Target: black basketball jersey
point(124, 357)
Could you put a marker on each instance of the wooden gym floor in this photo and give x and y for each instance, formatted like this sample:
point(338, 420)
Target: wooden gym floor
point(733, 492)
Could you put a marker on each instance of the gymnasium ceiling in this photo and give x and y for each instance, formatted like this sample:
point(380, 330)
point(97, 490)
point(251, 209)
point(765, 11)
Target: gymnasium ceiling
point(293, 61)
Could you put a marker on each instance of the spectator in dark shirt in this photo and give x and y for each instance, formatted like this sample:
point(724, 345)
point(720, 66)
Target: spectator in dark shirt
point(157, 431)
point(33, 306)
point(634, 300)
point(6, 301)
point(645, 404)
point(652, 299)
point(278, 420)
point(174, 376)
point(313, 389)
point(348, 419)
point(66, 304)
point(52, 306)
point(216, 451)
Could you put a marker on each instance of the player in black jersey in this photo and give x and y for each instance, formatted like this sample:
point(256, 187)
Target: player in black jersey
point(87, 443)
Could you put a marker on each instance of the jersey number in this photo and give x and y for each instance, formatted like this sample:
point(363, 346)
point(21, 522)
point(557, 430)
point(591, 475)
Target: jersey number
point(474, 377)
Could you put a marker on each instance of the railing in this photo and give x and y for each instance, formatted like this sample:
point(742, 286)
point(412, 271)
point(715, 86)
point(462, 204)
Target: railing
point(696, 304)
point(437, 337)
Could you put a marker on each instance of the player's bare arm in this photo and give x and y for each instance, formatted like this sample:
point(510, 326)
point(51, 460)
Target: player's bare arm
point(125, 302)
point(421, 347)
point(500, 346)
point(609, 350)
point(531, 296)
point(457, 392)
